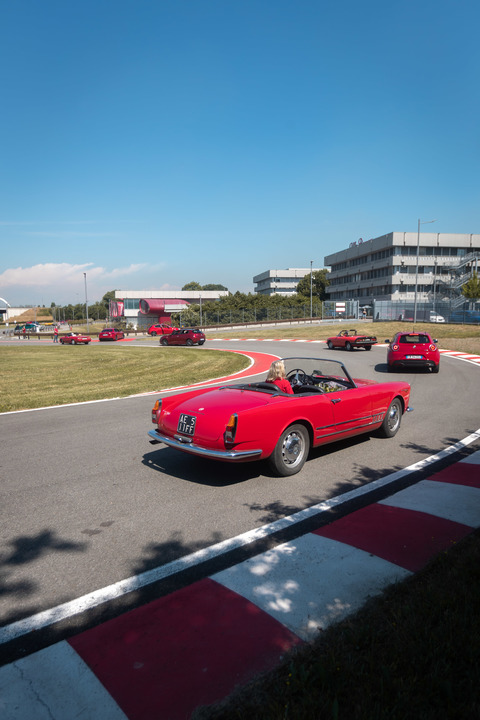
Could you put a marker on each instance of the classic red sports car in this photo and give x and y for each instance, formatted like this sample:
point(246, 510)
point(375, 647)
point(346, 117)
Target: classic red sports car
point(185, 336)
point(413, 350)
point(160, 329)
point(75, 339)
point(350, 339)
point(255, 421)
point(111, 334)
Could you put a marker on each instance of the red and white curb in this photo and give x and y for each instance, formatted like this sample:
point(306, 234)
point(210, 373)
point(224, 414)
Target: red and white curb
point(195, 645)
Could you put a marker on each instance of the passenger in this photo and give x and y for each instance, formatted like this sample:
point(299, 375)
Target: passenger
point(276, 376)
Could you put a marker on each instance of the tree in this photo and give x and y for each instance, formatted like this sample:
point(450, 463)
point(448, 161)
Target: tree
point(471, 289)
point(212, 286)
point(192, 286)
point(319, 283)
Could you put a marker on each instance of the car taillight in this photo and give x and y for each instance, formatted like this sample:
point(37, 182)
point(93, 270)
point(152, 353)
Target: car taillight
point(231, 429)
point(432, 348)
point(395, 347)
point(156, 408)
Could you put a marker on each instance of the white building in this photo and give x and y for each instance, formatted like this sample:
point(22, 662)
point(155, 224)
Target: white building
point(142, 308)
point(387, 267)
point(280, 282)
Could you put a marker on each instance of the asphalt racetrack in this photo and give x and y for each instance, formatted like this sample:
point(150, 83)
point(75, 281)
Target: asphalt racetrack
point(86, 501)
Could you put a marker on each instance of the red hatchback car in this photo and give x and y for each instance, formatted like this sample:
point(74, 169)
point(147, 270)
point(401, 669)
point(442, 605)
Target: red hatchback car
point(417, 350)
point(185, 336)
point(160, 329)
point(111, 334)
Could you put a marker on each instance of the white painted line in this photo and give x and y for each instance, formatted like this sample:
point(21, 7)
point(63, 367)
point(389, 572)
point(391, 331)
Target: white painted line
point(54, 683)
point(311, 582)
point(86, 602)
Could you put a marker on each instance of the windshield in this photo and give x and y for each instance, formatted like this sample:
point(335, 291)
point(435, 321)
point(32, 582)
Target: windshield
point(318, 368)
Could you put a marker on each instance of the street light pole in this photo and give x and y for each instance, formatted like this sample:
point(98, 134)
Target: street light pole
point(311, 289)
point(86, 301)
point(425, 222)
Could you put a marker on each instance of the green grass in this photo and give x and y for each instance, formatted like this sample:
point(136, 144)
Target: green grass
point(34, 376)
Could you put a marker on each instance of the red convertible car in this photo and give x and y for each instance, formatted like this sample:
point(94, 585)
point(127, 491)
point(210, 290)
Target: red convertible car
point(185, 336)
point(111, 334)
point(239, 423)
point(350, 339)
point(75, 339)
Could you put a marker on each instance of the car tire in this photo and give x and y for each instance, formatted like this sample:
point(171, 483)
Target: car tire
point(74, 342)
point(393, 418)
point(153, 334)
point(348, 346)
point(164, 340)
point(330, 345)
point(436, 368)
point(201, 342)
point(291, 451)
point(368, 347)
point(189, 342)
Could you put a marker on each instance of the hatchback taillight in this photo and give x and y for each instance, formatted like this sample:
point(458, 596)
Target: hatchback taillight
point(395, 347)
point(432, 348)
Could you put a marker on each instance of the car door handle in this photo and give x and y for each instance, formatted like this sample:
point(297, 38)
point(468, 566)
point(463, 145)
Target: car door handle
point(335, 400)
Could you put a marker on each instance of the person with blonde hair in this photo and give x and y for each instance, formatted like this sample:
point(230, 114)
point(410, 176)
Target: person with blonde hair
point(277, 376)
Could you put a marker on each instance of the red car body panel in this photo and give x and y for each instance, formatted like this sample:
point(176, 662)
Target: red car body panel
point(414, 350)
point(350, 339)
point(341, 410)
point(75, 339)
point(111, 334)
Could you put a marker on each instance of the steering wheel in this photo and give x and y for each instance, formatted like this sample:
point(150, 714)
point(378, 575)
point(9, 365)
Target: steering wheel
point(297, 377)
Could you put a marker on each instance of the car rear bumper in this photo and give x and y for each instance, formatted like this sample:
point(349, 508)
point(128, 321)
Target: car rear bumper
point(413, 363)
point(190, 447)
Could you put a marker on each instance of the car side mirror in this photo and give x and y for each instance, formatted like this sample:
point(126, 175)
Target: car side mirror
point(387, 341)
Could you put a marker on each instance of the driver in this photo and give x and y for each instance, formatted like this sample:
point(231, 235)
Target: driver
point(277, 376)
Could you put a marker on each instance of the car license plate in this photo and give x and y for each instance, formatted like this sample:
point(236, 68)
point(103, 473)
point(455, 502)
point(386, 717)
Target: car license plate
point(186, 424)
point(414, 357)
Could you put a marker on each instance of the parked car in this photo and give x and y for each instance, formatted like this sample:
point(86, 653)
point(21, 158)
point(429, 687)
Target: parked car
point(33, 327)
point(160, 329)
point(255, 421)
point(464, 316)
point(75, 339)
point(111, 334)
point(416, 350)
point(350, 339)
point(184, 336)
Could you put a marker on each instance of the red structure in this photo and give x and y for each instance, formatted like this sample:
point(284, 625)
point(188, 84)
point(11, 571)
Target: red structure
point(162, 309)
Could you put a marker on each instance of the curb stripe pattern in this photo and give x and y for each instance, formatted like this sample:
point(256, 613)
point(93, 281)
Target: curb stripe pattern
point(196, 645)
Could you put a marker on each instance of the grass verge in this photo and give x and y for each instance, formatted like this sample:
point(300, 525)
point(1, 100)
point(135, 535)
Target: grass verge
point(412, 653)
point(35, 376)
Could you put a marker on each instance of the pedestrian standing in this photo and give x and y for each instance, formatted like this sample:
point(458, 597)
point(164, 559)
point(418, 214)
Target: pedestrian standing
point(55, 334)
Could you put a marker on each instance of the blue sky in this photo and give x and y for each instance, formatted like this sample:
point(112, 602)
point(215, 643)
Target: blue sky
point(150, 143)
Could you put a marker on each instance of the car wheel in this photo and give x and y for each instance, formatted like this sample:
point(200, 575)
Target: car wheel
point(368, 347)
point(348, 346)
point(291, 451)
point(201, 342)
point(61, 342)
point(436, 368)
point(189, 342)
point(392, 419)
point(330, 345)
point(153, 334)
point(163, 341)
point(74, 342)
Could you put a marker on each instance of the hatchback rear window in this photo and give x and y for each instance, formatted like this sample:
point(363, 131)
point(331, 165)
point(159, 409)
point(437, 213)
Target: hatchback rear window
point(414, 339)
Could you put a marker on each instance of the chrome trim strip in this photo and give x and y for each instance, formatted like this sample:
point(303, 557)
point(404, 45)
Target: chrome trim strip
point(193, 449)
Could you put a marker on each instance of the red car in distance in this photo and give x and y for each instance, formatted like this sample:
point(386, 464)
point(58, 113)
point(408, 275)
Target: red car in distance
point(184, 336)
point(160, 329)
point(350, 339)
point(256, 421)
point(111, 334)
point(75, 339)
point(413, 350)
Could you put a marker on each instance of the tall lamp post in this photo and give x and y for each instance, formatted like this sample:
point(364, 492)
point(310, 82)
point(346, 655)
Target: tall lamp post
point(86, 301)
point(420, 222)
point(311, 289)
